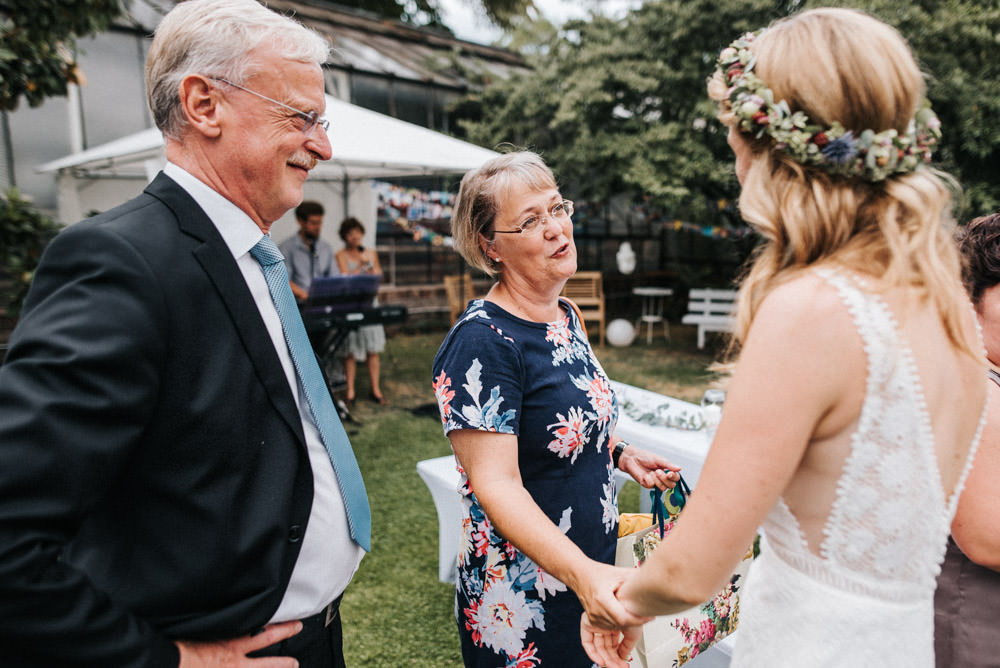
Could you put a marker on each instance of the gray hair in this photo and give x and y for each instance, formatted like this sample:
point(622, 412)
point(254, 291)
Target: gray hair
point(217, 38)
point(482, 194)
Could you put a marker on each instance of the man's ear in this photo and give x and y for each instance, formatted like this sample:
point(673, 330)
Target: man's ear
point(200, 103)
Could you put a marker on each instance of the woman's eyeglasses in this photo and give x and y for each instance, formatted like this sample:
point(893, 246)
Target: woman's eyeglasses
point(533, 224)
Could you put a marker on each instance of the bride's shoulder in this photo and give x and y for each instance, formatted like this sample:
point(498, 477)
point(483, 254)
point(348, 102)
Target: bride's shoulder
point(805, 298)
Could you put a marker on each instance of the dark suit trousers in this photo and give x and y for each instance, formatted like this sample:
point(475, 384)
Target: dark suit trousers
point(315, 646)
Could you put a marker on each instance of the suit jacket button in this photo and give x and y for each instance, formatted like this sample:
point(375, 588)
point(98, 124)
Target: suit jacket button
point(294, 533)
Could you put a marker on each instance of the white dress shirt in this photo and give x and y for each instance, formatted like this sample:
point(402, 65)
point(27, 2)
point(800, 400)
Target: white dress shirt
point(329, 556)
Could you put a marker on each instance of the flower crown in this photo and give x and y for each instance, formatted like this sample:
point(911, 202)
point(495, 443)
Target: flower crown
point(873, 156)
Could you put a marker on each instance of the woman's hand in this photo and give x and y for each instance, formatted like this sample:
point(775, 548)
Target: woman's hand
point(647, 468)
point(608, 648)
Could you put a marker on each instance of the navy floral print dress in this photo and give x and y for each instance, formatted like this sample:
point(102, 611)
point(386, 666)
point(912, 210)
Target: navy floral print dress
point(541, 382)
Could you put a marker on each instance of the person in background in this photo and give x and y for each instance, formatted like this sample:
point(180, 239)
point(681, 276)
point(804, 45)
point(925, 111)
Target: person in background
point(852, 412)
point(531, 417)
point(364, 342)
point(306, 255)
point(175, 490)
point(966, 633)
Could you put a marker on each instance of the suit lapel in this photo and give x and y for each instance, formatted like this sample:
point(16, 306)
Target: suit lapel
point(216, 260)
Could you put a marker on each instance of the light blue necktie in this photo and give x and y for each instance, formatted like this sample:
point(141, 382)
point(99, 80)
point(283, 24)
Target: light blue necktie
point(331, 430)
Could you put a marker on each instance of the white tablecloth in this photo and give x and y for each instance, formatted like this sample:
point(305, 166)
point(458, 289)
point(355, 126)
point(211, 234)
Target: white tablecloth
point(641, 422)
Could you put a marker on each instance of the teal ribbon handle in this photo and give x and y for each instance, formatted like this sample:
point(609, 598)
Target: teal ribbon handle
point(677, 498)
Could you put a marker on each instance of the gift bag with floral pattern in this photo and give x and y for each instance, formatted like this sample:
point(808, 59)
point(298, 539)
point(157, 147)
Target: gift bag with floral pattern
point(673, 640)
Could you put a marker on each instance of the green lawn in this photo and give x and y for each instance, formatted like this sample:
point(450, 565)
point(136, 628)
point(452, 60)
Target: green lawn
point(396, 612)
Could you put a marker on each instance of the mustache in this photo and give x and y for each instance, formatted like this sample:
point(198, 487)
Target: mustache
point(304, 160)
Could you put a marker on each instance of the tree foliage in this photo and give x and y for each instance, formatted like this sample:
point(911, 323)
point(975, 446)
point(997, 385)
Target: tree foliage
point(619, 106)
point(37, 45)
point(25, 232)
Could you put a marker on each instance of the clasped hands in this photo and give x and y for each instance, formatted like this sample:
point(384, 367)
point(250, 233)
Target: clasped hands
point(608, 630)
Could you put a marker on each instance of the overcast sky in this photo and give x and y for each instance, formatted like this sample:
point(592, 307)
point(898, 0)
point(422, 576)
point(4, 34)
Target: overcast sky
point(465, 19)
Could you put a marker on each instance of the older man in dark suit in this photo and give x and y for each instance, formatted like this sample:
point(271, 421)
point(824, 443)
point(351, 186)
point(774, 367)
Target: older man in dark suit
point(175, 486)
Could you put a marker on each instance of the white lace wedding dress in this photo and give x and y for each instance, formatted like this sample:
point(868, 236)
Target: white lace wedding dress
point(867, 598)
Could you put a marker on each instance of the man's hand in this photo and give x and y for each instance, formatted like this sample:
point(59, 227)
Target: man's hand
point(233, 653)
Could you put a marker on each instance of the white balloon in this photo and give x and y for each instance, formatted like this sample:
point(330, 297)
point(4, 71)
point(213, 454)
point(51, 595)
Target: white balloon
point(620, 333)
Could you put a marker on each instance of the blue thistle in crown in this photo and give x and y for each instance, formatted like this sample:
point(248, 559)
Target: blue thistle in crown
point(841, 150)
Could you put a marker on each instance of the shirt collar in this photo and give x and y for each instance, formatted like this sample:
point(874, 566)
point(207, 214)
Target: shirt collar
point(238, 230)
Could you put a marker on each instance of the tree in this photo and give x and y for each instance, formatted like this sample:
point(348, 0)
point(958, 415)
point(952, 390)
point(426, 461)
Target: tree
point(38, 48)
point(619, 106)
point(25, 232)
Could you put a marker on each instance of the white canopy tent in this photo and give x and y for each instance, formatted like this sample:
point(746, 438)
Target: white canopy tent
point(366, 145)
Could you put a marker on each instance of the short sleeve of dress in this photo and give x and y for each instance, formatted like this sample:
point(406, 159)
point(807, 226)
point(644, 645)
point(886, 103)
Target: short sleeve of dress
point(478, 380)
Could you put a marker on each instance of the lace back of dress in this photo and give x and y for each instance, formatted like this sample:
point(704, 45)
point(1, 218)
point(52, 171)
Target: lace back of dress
point(889, 519)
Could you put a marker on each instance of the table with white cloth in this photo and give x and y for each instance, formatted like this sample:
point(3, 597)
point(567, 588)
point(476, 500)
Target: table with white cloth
point(664, 425)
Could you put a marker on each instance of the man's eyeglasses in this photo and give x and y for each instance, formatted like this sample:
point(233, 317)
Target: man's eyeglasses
point(309, 119)
point(532, 225)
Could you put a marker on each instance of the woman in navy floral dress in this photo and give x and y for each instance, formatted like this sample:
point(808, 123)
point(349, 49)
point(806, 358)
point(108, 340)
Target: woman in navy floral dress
point(530, 415)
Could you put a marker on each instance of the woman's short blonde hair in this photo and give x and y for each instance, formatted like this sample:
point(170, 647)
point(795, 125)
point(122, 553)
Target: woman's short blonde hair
point(481, 196)
point(843, 65)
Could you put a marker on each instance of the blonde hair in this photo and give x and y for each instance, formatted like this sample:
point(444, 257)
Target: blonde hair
point(843, 65)
point(482, 194)
point(217, 38)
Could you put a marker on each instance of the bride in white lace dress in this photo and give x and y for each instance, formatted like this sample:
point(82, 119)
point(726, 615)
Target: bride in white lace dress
point(857, 393)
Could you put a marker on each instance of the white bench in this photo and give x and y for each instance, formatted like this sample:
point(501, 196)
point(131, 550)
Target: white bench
point(711, 310)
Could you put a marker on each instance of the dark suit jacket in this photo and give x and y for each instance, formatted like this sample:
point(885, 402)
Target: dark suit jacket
point(154, 481)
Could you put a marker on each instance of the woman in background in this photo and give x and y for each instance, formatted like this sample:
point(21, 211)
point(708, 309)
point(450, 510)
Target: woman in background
point(368, 341)
point(966, 631)
point(853, 409)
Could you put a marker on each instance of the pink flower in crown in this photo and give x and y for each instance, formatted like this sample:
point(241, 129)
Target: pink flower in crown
point(557, 333)
point(444, 394)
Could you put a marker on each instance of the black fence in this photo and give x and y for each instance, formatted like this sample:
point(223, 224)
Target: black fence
point(665, 257)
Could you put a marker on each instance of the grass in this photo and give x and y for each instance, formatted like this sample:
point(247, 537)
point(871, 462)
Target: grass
point(396, 612)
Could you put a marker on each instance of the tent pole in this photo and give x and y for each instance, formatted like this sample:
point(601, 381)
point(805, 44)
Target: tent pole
point(346, 195)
